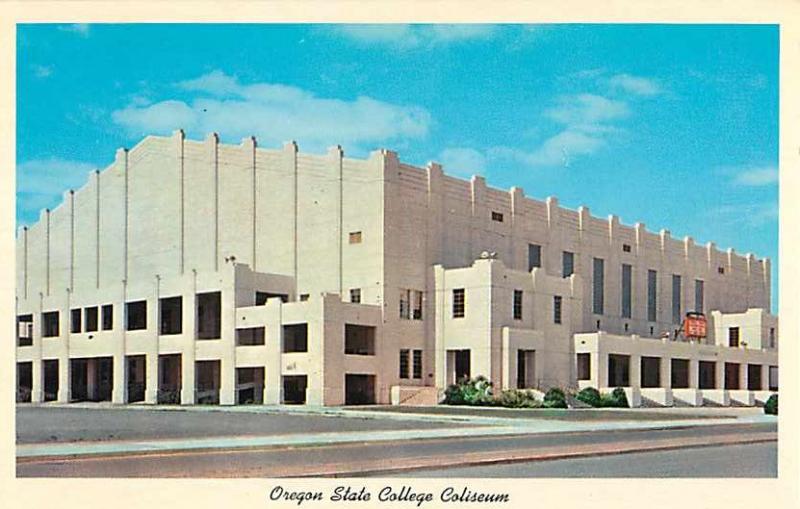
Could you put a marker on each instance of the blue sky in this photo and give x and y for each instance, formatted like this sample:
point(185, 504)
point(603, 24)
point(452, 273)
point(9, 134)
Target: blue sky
point(675, 126)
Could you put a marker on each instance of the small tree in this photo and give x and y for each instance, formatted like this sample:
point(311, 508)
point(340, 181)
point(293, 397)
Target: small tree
point(771, 406)
point(590, 396)
point(617, 399)
point(555, 398)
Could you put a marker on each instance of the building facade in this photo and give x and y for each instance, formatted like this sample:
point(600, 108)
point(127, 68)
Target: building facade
point(198, 272)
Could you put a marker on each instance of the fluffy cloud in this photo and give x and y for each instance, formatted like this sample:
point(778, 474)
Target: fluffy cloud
point(635, 84)
point(462, 162)
point(412, 36)
point(81, 29)
point(757, 176)
point(42, 182)
point(275, 113)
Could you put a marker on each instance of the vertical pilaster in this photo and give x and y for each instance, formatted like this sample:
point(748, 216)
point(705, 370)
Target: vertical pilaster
point(64, 368)
point(227, 389)
point(96, 177)
point(290, 159)
point(212, 145)
point(694, 373)
point(273, 383)
point(188, 354)
point(719, 375)
point(122, 159)
point(665, 372)
point(479, 213)
point(335, 154)
point(178, 140)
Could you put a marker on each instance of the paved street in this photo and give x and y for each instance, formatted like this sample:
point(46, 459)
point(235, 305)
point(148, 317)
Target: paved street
point(752, 460)
point(96, 442)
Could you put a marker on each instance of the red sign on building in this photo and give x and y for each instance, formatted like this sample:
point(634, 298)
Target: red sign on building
point(694, 326)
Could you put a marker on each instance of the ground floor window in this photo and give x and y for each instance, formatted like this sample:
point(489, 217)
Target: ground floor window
point(707, 375)
point(24, 381)
point(584, 366)
point(754, 377)
point(650, 372)
point(169, 379)
point(207, 382)
point(250, 386)
point(773, 378)
point(680, 373)
point(359, 389)
point(618, 370)
point(294, 389)
point(50, 368)
point(731, 376)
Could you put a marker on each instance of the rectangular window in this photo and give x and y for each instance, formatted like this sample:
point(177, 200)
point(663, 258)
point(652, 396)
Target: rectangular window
point(136, 315)
point(720, 270)
point(405, 304)
point(251, 336)
point(108, 316)
point(24, 330)
point(584, 366)
point(733, 336)
point(416, 303)
point(676, 298)
point(497, 216)
point(303, 297)
point(418, 364)
point(50, 324)
point(598, 279)
point(295, 338)
point(627, 277)
point(170, 309)
point(517, 304)
point(557, 309)
point(355, 295)
point(652, 295)
point(626, 248)
point(458, 303)
point(90, 314)
point(359, 339)
point(773, 378)
point(209, 315)
point(262, 297)
point(75, 321)
point(567, 263)
point(772, 337)
point(534, 256)
point(699, 295)
point(404, 363)
point(355, 237)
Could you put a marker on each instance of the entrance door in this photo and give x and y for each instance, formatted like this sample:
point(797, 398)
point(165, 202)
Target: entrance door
point(462, 365)
point(526, 363)
point(359, 389)
point(294, 389)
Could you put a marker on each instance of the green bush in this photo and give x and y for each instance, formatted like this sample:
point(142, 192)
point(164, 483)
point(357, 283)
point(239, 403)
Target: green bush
point(555, 398)
point(771, 406)
point(617, 399)
point(590, 396)
point(514, 398)
point(477, 391)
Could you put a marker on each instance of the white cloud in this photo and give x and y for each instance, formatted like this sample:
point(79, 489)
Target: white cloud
point(635, 84)
point(757, 176)
point(403, 36)
point(586, 110)
point(41, 183)
point(275, 113)
point(462, 162)
point(42, 71)
point(81, 29)
point(749, 214)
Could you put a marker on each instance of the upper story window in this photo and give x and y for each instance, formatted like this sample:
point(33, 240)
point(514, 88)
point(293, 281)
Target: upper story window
point(557, 305)
point(458, 303)
point(534, 256)
point(108, 316)
point(295, 338)
point(772, 337)
point(136, 315)
point(626, 248)
point(355, 237)
point(598, 281)
point(90, 314)
point(355, 295)
point(50, 324)
point(359, 339)
point(24, 330)
point(733, 336)
point(720, 270)
point(517, 305)
point(699, 295)
point(410, 304)
point(567, 263)
point(75, 321)
point(417, 364)
point(262, 297)
point(209, 315)
point(497, 216)
point(652, 295)
point(676, 298)
point(627, 280)
point(171, 314)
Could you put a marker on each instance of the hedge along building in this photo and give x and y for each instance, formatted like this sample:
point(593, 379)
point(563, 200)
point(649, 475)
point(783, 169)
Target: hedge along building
point(202, 272)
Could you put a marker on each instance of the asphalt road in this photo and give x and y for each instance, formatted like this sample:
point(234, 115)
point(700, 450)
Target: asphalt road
point(55, 424)
point(386, 455)
point(751, 460)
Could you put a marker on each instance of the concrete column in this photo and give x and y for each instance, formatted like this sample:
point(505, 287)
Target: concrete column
point(151, 378)
point(743, 376)
point(600, 368)
point(273, 381)
point(227, 389)
point(665, 374)
point(64, 379)
point(119, 380)
point(441, 367)
point(91, 377)
point(765, 377)
point(188, 354)
point(694, 373)
point(37, 381)
point(719, 375)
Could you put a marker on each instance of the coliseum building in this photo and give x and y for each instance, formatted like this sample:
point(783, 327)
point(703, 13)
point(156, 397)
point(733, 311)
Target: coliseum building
point(198, 272)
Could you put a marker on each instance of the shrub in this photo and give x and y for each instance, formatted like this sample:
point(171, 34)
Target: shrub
point(771, 406)
point(514, 398)
point(590, 396)
point(555, 398)
point(617, 399)
point(477, 391)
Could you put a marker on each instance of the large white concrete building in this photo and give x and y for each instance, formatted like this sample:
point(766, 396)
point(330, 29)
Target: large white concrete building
point(191, 272)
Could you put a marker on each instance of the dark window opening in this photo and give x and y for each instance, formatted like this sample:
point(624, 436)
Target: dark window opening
point(652, 296)
point(24, 381)
point(699, 295)
point(417, 364)
point(720, 270)
point(557, 303)
point(567, 263)
point(355, 237)
point(249, 386)
point(598, 278)
point(773, 378)
point(584, 366)
point(75, 321)
point(733, 336)
point(676, 298)
point(50, 368)
point(458, 303)
point(251, 336)
point(404, 363)
point(355, 295)
point(679, 373)
point(497, 216)
point(91, 316)
point(295, 338)
point(416, 302)
point(707, 375)
point(294, 389)
point(50, 324)
point(732, 376)
point(209, 315)
point(136, 315)
point(462, 364)
point(136, 371)
point(108, 317)
point(626, 248)
point(303, 297)
point(534, 256)
point(171, 312)
point(170, 379)
point(359, 389)
point(207, 382)
point(619, 370)
point(651, 372)
point(359, 339)
point(24, 330)
point(627, 283)
point(754, 377)
point(261, 297)
point(517, 305)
